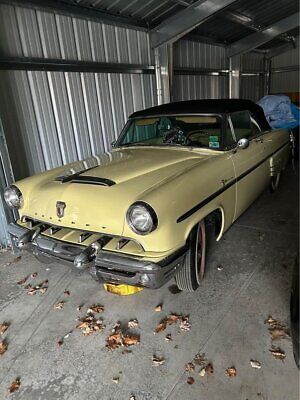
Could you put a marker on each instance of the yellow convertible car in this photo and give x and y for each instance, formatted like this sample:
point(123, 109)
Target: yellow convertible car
point(178, 175)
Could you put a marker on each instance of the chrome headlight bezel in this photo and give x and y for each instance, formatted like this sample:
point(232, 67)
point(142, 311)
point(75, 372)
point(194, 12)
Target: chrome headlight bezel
point(146, 209)
point(13, 197)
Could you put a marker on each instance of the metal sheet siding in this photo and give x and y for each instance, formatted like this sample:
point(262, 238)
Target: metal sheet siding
point(287, 81)
point(190, 54)
point(53, 118)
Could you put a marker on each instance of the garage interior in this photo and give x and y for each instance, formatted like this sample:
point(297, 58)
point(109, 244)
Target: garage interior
point(71, 72)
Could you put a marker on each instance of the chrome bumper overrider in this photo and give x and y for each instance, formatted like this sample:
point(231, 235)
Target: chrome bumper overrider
point(103, 265)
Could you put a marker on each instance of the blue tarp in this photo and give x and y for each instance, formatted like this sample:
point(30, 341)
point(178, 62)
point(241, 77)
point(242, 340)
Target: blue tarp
point(280, 111)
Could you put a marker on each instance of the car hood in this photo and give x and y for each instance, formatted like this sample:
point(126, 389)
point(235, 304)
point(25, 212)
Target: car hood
point(108, 185)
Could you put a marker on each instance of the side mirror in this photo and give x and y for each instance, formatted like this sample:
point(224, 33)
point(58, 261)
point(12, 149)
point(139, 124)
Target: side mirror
point(243, 143)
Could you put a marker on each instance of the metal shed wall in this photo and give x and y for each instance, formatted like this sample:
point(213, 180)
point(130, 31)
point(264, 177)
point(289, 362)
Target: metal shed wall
point(252, 86)
point(193, 55)
point(52, 118)
point(285, 81)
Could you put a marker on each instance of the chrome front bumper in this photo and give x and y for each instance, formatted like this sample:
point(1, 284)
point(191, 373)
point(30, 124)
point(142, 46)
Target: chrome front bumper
point(105, 266)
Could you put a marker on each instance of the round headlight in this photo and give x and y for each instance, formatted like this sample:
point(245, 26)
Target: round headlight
point(141, 218)
point(13, 197)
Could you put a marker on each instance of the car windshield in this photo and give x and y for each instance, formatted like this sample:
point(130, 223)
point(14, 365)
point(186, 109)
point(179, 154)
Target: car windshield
point(186, 130)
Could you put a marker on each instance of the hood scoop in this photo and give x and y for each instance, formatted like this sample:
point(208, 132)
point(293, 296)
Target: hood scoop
point(89, 180)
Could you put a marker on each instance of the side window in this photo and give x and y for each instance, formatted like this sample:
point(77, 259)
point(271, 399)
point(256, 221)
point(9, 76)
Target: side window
point(242, 125)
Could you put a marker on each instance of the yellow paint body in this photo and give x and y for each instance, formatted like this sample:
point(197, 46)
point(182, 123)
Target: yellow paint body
point(172, 180)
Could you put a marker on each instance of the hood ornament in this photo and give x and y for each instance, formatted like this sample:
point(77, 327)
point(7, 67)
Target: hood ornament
point(60, 209)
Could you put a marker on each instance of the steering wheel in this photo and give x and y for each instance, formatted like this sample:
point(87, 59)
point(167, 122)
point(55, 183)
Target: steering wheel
point(176, 136)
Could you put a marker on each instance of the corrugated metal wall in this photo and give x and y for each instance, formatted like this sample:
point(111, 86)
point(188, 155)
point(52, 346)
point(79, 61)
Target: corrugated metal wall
point(288, 81)
point(52, 118)
point(252, 86)
point(189, 54)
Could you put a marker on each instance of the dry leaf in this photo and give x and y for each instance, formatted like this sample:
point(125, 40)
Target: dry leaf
point(172, 319)
point(157, 361)
point(231, 372)
point(207, 370)
point(158, 308)
point(89, 324)
point(202, 372)
point(134, 323)
point(3, 347)
point(67, 293)
point(34, 275)
point(43, 290)
point(190, 380)
point(59, 305)
point(278, 353)
point(278, 333)
point(200, 359)
point(31, 291)
point(185, 324)
point(3, 327)
point(255, 364)
point(132, 397)
point(220, 268)
point(189, 367)
point(22, 281)
point(79, 307)
point(130, 340)
point(116, 379)
point(118, 339)
point(96, 308)
point(60, 342)
point(168, 338)
point(15, 385)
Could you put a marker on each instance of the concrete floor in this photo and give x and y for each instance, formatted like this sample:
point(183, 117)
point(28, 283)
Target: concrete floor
point(227, 314)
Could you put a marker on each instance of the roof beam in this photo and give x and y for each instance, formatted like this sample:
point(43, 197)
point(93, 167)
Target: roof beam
point(259, 38)
point(78, 11)
point(276, 51)
point(183, 22)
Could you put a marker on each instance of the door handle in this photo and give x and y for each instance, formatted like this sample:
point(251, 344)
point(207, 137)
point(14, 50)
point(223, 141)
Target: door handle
point(259, 140)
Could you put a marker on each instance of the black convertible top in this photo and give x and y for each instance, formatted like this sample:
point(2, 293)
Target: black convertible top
point(217, 106)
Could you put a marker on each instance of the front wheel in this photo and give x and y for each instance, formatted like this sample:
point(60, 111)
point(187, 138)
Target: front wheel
point(192, 272)
point(275, 180)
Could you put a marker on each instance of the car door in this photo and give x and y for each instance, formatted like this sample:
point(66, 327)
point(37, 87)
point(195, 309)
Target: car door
point(251, 174)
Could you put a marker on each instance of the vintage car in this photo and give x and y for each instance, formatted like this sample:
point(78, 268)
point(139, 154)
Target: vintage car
point(144, 212)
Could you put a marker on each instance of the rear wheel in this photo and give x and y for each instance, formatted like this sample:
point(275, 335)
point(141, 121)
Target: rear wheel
point(275, 180)
point(192, 272)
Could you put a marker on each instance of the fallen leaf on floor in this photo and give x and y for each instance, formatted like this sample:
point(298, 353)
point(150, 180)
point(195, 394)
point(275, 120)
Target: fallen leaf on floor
point(277, 329)
point(59, 305)
point(89, 325)
point(172, 319)
point(255, 364)
point(278, 353)
point(117, 339)
point(185, 325)
point(23, 281)
point(189, 367)
point(157, 361)
point(61, 341)
point(132, 397)
point(158, 308)
point(207, 370)
point(14, 386)
point(231, 372)
point(200, 359)
point(116, 379)
point(3, 327)
point(3, 347)
point(43, 290)
point(168, 338)
point(34, 275)
point(67, 293)
point(190, 380)
point(133, 323)
point(96, 308)
point(79, 307)
point(220, 268)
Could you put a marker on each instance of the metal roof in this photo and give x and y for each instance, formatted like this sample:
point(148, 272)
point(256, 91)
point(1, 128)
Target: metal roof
point(230, 24)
